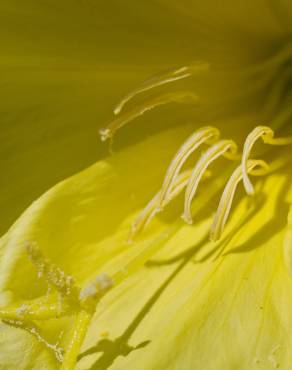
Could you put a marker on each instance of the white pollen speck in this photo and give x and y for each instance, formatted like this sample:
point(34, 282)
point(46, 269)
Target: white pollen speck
point(22, 309)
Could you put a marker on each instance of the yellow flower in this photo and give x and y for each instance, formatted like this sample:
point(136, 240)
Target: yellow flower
point(102, 272)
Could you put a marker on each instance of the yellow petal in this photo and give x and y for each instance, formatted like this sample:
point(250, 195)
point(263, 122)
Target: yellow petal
point(288, 243)
point(195, 308)
point(193, 294)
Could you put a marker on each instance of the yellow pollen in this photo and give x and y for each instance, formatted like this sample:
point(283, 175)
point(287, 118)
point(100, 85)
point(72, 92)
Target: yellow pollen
point(203, 135)
point(57, 278)
point(178, 97)
point(267, 135)
point(221, 148)
point(162, 79)
point(228, 195)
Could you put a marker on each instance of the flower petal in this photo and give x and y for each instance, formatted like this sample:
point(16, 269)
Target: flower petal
point(202, 309)
point(288, 243)
point(199, 287)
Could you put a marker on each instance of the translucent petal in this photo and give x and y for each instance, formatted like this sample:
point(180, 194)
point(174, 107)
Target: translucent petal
point(204, 309)
point(195, 292)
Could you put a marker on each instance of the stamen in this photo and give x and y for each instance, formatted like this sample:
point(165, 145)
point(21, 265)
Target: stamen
point(179, 97)
point(228, 195)
point(217, 150)
point(203, 135)
point(162, 79)
point(267, 135)
point(54, 275)
point(152, 207)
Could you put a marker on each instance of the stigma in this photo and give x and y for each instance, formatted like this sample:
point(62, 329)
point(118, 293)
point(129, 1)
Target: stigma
point(66, 299)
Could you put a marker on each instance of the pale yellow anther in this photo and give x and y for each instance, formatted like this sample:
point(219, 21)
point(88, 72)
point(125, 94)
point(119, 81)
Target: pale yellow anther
point(267, 135)
point(162, 79)
point(152, 208)
point(219, 149)
point(178, 97)
point(203, 135)
point(94, 290)
point(228, 195)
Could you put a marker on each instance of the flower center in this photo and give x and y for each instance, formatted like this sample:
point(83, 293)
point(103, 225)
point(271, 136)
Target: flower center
point(175, 182)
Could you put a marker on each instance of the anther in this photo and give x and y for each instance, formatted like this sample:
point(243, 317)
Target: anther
point(162, 79)
point(95, 289)
point(223, 147)
point(228, 195)
point(203, 135)
point(267, 135)
point(178, 97)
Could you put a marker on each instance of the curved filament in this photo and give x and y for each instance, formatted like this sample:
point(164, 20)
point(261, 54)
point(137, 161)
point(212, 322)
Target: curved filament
point(152, 207)
point(267, 135)
point(203, 135)
point(161, 79)
point(228, 195)
point(217, 150)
